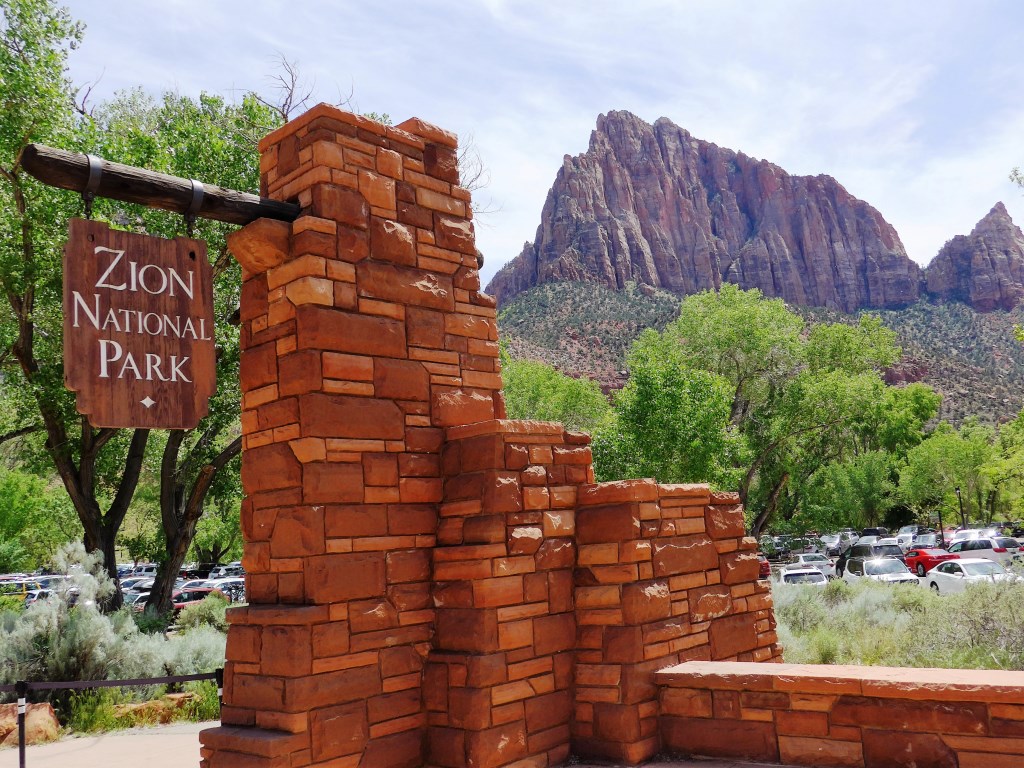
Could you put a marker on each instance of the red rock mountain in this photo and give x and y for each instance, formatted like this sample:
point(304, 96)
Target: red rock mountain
point(984, 269)
point(652, 204)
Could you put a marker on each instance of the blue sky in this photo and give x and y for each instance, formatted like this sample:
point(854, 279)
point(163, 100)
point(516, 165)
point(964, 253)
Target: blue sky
point(915, 106)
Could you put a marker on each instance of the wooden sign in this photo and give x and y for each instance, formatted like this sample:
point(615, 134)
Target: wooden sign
point(138, 327)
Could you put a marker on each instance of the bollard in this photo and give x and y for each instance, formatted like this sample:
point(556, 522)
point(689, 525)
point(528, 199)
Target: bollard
point(21, 689)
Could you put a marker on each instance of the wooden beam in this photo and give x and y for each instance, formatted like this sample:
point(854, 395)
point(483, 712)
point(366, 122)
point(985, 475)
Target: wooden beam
point(70, 170)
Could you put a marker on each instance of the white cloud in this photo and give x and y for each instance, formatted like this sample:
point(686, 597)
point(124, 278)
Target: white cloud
point(914, 107)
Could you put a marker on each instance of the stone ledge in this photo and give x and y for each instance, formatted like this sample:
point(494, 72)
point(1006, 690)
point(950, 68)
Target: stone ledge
point(878, 682)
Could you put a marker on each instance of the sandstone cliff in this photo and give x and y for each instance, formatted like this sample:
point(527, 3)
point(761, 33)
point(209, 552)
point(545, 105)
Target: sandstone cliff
point(984, 269)
point(654, 205)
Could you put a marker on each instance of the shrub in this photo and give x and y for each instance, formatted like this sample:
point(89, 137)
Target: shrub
point(60, 639)
point(208, 612)
point(871, 623)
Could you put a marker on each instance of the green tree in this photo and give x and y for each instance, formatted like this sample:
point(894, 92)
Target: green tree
point(207, 138)
point(38, 105)
point(751, 341)
point(671, 422)
point(535, 390)
point(947, 460)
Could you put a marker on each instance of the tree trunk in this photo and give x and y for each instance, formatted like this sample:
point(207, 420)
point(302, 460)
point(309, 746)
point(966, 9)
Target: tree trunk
point(765, 515)
point(180, 514)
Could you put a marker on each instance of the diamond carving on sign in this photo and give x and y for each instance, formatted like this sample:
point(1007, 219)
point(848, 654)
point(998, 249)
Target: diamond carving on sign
point(148, 401)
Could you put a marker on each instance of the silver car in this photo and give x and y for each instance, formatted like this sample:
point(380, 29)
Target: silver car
point(817, 561)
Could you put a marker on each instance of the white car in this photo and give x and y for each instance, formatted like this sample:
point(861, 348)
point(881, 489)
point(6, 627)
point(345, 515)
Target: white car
point(1001, 549)
point(964, 534)
point(802, 575)
point(884, 569)
point(814, 560)
point(956, 575)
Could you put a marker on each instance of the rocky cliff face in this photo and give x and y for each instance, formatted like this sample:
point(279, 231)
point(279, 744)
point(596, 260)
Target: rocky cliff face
point(984, 269)
point(654, 205)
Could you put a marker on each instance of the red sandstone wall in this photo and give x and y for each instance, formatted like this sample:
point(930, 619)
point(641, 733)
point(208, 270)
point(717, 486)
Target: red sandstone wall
point(430, 584)
point(856, 717)
point(664, 574)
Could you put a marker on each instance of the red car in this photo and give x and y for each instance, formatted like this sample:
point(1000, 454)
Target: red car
point(190, 596)
point(920, 561)
point(766, 569)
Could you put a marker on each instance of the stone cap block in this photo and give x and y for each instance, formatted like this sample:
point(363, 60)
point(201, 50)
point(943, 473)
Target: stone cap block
point(926, 684)
point(252, 741)
point(699, 491)
point(504, 427)
point(429, 132)
point(645, 489)
point(320, 110)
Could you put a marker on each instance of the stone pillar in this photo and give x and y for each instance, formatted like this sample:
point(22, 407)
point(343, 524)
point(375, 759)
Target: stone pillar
point(364, 334)
point(498, 684)
point(664, 575)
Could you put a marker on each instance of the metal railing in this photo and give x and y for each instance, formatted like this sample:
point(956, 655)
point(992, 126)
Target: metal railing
point(22, 687)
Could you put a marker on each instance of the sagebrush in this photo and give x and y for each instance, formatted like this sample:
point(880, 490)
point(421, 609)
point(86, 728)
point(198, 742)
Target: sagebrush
point(66, 638)
point(876, 624)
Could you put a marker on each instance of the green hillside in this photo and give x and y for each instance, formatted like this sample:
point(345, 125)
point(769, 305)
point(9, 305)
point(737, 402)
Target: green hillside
point(585, 329)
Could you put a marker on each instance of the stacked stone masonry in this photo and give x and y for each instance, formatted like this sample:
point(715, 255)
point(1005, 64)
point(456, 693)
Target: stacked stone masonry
point(428, 583)
point(854, 717)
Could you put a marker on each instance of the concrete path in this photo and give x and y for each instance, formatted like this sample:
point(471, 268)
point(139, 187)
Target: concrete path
point(164, 746)
point(177, 746)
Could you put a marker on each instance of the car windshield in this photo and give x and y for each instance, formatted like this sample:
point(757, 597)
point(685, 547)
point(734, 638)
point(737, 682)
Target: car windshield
point(887, 549)
point(815, 559)
point(883, 567)
point(803, 578)
point(831, 538)
point(988, 568)
point(1007, 542)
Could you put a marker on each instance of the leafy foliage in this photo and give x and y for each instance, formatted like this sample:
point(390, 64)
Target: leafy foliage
point(670, 422)
point(66, 637)
point(534, 390)
point(877, 624)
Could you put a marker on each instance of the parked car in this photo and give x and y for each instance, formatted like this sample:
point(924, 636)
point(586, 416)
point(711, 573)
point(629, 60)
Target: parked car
point(923, 559)
point(35, 596)
point(860, 551)
point(136, 601)
point(804, 544)
point(956, 575)
point(144, 569)
point(817, 561)
point(964, 534)
point(907, 536)
point(928, 541)
point(765, 567)
point(802, 575)
point(885, 569)
point(868, 539)
point(19, 588)
point(1001, 549)
point(233, 589)
point(879, 532)
point(888, 547)
point(191, 596)
point(130, 583)
point(231, 570)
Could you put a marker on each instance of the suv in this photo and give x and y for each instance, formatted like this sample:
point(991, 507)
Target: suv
point(885, 569)
point(1001, 549)
point(861, 552)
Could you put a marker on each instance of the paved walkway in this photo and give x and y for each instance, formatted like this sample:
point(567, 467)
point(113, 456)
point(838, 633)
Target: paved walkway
point(177, 746)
